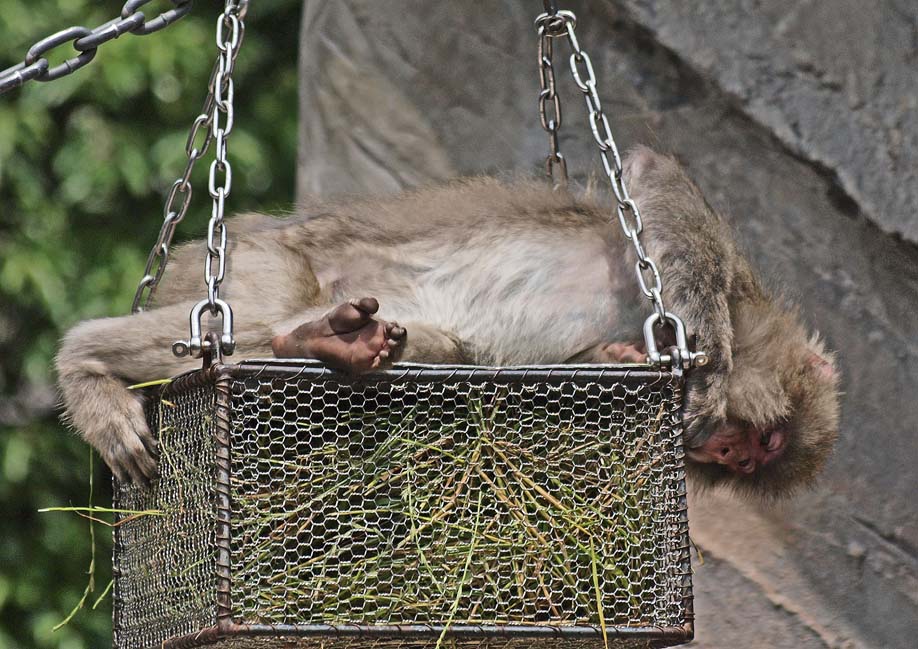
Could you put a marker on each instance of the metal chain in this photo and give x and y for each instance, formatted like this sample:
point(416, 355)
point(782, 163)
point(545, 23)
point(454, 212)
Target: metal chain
point(214, 124)
point(215, 121)
point(35, 66)
point(549, 101)
point(230, 31)
point(555, 24)
point(200, 136)
point(219, 106)
point(173, 214)
point(563, 23)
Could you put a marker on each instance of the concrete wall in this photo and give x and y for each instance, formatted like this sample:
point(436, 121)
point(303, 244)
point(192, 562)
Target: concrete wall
point(798, 118)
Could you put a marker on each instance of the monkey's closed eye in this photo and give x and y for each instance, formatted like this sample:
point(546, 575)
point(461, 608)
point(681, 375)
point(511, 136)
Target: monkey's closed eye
point(772, 439)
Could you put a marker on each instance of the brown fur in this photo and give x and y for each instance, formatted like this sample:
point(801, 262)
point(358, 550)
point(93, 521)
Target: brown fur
point(764, 366)
point(490, 272)
point(779, 373)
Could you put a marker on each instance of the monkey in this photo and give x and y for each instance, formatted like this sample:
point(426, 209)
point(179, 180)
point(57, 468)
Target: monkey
point(490, 272)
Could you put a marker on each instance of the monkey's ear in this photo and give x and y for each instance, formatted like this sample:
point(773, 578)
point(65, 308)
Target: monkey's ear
point(823, 367)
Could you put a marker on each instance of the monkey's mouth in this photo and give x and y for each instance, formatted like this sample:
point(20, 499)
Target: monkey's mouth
point(741, 448)
point(745, 467)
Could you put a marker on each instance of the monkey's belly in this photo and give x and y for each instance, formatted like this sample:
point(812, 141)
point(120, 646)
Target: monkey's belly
point(514, 301)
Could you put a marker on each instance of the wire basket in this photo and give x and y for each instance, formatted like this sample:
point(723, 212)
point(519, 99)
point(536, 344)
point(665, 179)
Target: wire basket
point(421, 506)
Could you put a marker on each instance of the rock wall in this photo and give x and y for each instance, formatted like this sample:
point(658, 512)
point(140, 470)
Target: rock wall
point(798, 120)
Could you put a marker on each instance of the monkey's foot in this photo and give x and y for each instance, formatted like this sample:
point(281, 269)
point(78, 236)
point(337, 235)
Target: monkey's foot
point(347, 337)
point(621, 353)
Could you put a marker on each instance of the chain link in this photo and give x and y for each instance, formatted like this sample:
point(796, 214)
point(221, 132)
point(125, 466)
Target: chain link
point(173, 214)
point(550, 27)
point(562, 24)
point(35, 66)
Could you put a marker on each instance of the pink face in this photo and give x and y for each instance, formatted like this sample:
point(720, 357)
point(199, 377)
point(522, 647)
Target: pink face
point(741, 447)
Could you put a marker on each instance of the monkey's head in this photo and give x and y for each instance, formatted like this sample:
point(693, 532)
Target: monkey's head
point(782, 407)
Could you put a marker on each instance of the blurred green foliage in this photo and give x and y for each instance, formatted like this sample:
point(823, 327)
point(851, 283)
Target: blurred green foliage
point(85, 162)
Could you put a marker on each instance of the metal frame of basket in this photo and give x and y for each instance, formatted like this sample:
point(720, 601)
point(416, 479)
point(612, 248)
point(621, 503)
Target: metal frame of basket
point(184, 569)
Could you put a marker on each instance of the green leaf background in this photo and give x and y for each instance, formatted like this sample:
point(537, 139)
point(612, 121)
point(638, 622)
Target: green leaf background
point(85, 163)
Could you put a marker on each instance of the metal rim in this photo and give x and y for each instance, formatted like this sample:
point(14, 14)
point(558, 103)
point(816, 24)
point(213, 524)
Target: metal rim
point(660, 636)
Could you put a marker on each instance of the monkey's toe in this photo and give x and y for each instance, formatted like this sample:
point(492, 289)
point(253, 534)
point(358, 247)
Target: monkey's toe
point(352, 315)
point(395, 335)
point(365, 350)
point(131, 451)
point(368, 305)
point(139, 465)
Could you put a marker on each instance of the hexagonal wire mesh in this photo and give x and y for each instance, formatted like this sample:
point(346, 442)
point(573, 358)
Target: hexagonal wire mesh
point(484, 507)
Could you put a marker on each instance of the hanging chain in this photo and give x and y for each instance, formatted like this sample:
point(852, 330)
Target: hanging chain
point(230, 31)
point(556, 23)
point(179, 198)
point(562, 24)
point(35, 66)
point(549, 101)
point(214, 124)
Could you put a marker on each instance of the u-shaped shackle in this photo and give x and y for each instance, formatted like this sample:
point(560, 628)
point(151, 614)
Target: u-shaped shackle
point(195, 344)
point(687, 358)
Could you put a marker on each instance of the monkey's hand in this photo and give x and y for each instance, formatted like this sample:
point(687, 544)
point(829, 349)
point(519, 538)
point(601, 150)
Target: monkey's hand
point(111, 418)
point(705, 403)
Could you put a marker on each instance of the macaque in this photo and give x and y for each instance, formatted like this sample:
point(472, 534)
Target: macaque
point(488, 272)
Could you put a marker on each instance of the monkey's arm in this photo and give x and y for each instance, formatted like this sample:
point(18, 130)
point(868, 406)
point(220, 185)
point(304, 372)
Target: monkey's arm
point(695, 253)
point(98, 359)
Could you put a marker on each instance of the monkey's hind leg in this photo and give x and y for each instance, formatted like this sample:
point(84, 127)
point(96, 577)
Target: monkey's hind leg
point(616, 352)
point(350, 338)
point(427, 344)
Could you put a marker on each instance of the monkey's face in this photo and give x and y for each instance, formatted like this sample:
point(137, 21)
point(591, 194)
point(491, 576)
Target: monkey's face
point(742, 447)
point(782, 409)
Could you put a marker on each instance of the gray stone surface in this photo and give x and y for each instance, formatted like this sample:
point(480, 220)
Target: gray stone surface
point(836, 81)
point(799, 123)
point(758, 622)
